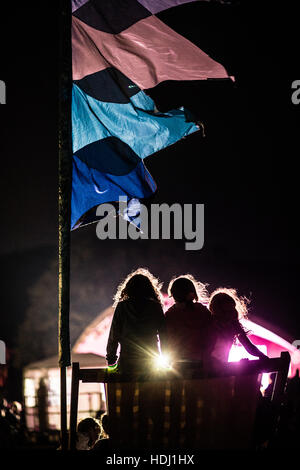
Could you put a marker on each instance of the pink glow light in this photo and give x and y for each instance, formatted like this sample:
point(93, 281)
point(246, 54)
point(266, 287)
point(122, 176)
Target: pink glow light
point(238, 352)
point(95, 336)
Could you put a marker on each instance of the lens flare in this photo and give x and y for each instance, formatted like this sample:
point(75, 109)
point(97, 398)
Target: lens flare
point(162, 362)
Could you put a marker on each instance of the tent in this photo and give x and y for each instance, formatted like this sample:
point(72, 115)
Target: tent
point(41, 389)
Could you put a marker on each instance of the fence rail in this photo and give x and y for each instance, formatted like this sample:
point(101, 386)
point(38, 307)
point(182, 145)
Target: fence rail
point(129, 405)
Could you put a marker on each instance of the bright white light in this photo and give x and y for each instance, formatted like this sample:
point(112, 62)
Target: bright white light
point(265, 382)
point(54, 391)
point(162, 362)
point(237, 353)
point(29, 392)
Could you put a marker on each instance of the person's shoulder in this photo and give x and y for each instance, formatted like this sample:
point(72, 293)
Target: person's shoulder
point(171, 309)
point(123, 304)
point(121, 309)
point(202, 308)
point(153, 302)
point(148, 306)
point(238, 328)
point(102, 445)
point(120, 305)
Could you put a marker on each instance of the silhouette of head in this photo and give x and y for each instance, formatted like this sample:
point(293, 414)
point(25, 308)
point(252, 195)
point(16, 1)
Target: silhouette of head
point(183, 290)
point(223, 307)
point(105, 424)
point(226, 305)
point(88, 428)
point(139, 285)
point(187, 289)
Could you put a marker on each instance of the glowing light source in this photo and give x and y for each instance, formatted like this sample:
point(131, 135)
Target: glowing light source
point(95, 336)
point(162, 361)
point(237, 352)
point(112, 368)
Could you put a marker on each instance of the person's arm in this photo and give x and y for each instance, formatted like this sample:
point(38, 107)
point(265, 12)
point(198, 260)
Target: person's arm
point(114, 337)
point(162, 330)
point(250, 347)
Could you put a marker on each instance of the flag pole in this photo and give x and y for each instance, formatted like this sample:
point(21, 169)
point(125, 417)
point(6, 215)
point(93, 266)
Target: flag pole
point(64, 206)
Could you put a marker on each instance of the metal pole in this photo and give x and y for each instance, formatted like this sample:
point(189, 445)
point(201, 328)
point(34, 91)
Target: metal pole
point(64, 204)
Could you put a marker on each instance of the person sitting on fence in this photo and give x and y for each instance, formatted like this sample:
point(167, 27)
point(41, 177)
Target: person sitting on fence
point(88, 433)
point(104, 443)
point(227, 309)
point(138, 320)
point(188, 320)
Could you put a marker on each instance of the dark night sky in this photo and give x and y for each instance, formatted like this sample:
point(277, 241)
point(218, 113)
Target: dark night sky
point(243, 171)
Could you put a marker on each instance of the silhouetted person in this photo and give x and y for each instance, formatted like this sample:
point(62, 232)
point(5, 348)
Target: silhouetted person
point(42, 404)
point(188, 320)
point(138, 320)
point(226, 307)
point(99, 414)
point(269, 390)
point(6, 434)
point(88, 433)
point(105, 443)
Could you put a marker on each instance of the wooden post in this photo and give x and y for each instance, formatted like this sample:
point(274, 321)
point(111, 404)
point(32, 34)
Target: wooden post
point(63, 409)
point(64, 203)
point(74, 405)
point(281, 378)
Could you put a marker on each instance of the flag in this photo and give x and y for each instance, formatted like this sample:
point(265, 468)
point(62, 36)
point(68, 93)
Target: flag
point(119, 49)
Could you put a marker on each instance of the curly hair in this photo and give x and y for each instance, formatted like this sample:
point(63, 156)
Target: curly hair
point(139, 284)
point(180, 286)
point(88, 424)
point(229, 294)
point(105, 428)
